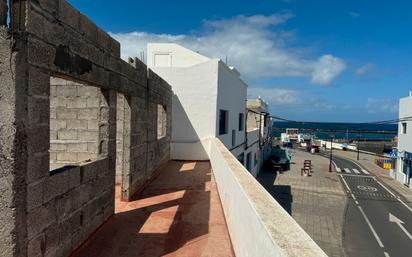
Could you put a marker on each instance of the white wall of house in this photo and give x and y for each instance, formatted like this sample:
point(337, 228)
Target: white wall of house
point(404, 139)
point(231, 97)
point(202, 86)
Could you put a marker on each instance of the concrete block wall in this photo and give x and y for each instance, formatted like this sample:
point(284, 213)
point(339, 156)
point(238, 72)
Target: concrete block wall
point(50, 38)
point(75, 118)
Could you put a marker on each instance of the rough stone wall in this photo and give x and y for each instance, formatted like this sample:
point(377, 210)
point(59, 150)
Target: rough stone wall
point(119, 137)
point(75, 117)
point(45, 213)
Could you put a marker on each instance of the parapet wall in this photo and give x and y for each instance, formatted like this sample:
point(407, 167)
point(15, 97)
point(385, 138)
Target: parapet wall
point(246, 202)
point(47, 212)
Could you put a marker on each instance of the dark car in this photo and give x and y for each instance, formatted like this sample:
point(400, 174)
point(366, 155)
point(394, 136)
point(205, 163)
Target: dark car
point(288, 145)
point(310, 147)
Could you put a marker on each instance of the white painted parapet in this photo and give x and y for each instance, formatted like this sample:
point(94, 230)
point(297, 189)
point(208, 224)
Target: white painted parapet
point(258, 225)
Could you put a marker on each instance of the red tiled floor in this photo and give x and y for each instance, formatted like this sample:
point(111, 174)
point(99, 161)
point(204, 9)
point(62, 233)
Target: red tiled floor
point(178, 214)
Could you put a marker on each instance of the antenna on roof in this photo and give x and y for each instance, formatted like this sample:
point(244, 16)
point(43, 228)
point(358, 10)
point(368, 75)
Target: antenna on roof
point(226, 60)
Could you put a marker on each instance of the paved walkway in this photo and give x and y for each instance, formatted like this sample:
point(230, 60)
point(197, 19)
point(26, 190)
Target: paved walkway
point(178, 214)
point(367, 161)
point(317, 203)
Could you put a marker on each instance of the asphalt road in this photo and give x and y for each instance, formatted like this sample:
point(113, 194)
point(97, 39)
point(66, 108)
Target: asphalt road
point(377, 221)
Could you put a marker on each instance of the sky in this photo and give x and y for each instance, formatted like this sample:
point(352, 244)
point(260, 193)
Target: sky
point(329, 61)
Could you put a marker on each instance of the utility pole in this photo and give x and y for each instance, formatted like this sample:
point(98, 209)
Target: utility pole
point(330, 159)
point(358, 145)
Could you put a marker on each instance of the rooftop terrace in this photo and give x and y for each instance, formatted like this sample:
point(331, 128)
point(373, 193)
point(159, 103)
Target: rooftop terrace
point(178, 214)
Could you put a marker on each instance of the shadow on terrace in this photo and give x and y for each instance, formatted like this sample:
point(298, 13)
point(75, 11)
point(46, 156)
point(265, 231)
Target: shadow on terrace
point(178, 214)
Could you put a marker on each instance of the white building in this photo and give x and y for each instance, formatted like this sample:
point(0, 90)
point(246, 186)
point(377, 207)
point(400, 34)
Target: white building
point(404, 161)
point(209, 102)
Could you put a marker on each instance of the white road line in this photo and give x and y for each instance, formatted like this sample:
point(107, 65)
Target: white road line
point(390, 192)
point(356, 171)
point(338, 169)
point(371, 228)
point(344, 181)
point(357, 202)
point(365, 171)
point(346, 170)
point(386, 254)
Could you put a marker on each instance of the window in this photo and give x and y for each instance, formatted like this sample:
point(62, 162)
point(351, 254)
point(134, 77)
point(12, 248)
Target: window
point(223, 122)
point(233, 137)
point(404, 128)
point(241, 121)
point(161, 121)
point(248, 161)
point(256, 161)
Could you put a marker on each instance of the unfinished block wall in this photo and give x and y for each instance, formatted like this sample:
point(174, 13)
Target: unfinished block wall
point(76, 113)
point(49, 49)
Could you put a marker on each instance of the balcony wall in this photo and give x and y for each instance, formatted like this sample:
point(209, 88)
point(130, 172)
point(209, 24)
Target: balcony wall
point(251, 213)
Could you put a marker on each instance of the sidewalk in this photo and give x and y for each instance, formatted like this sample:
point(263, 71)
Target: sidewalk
point(317, 203)
point(367, 161)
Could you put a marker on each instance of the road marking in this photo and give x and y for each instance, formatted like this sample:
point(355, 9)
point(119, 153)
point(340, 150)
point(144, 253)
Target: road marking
point(394, 219)
point(365, 171)
point(356, 171)
point(338, 170)
point(346, 170)
point(386, 254)
point(371, 227)
point(357, 202)
point(404, 204)
point(346, 184)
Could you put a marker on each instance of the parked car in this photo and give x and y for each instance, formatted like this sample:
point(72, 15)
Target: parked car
point(312, 148)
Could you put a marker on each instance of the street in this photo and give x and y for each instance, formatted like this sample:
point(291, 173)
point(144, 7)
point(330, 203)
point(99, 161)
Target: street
point(377, 222)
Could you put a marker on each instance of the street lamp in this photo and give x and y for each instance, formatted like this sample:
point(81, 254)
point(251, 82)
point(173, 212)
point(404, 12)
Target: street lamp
point(358, 145)
point(330, 159)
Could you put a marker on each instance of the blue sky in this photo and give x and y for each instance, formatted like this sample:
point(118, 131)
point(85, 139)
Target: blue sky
point(346, 61)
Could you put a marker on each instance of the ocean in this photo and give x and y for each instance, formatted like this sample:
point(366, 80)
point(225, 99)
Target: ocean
point(340, 130)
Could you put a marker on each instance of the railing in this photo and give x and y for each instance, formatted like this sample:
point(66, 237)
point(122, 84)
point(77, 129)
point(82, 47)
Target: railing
point(257, 224)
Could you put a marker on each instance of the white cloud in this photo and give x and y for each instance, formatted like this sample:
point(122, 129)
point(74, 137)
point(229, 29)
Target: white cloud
point(326, 69)
point(375, 105)
point(255, 45)
point(365, 69)
point(275, 96)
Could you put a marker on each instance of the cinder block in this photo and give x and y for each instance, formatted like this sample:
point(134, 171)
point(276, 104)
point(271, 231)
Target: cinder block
point(89, 114)
point(67, 157)
point(35, 194)
point(40, 53)
point(39, 110)
point(53, 135)
point(66, 91)
point(36, 246)
point(89, 172)
point(92, 124)
point(52, 237)
point(74, 177)
point(69, 226)
point(56, 124)
point(56, 185)
point(34, 139)
point(57, 147)
point(76, 102)
point(39, 82)
point(88, 29)
point(66, 114)
point(90, 136)
point(69, 15)
point(93, 102)
point(77, 147)
point(67, 134)
point(93, 147)
point(64, 206)
point(77, 124)
point(87, 91)
point(40, 218)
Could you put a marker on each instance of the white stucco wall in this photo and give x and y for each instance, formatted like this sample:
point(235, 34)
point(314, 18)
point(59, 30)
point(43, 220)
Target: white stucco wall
point(172, 55)
point(193, 108)
point(405, 140)
point(247, 203)
point(231, 97)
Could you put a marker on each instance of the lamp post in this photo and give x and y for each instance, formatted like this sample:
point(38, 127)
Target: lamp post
point(358, 145)
point(330, 159)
